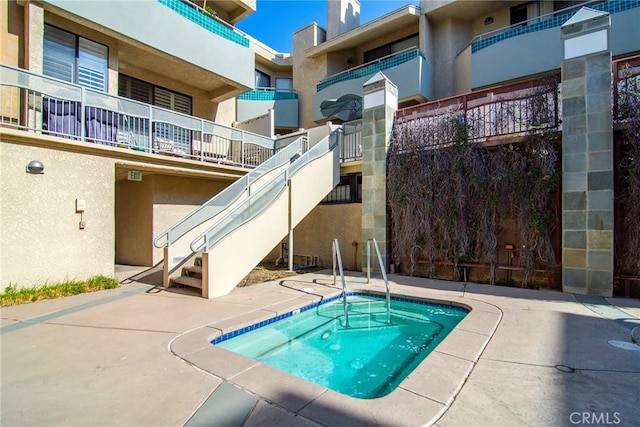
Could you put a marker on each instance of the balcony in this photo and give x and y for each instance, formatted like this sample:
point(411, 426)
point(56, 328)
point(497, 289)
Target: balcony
point(407, 69)
point(174, 33)
point(36, 103)
point(231, 10)
point(258, 102)
point(537, 44)
point(491, 116)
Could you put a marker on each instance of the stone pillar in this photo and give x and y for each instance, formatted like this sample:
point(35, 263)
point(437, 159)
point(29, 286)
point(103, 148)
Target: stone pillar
point(380, 102)
point(587, 155)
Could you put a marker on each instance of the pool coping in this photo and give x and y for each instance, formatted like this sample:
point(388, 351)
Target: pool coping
point(420, 399)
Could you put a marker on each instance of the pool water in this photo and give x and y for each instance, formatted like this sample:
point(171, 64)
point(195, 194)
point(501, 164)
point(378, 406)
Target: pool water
point(367, 359)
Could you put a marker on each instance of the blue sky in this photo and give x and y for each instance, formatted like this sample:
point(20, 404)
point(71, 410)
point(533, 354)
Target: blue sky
point(275, 21)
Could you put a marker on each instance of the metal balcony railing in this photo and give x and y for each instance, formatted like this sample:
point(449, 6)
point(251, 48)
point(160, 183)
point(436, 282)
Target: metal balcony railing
point(33, 102)
point(351, 141)
point(496, 112)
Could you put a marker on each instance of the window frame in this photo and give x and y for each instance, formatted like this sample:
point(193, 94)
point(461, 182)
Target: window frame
point(259, 74)
point(81, 48)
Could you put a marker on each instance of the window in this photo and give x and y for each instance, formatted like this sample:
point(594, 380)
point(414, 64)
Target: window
point(163, 133)
point(74, 59)
point(284, 84)
point(129, 87)
point(518, 14)
point(262, 79)
point(559, 5)
point(524, 12)
point(348, 190)
point(388, 49)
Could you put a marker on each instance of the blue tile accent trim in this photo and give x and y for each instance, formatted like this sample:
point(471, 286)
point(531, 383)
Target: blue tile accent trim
point(370, 69)
point(556, 21)
point(267, 95)
point(311, 306)
point(205, 21)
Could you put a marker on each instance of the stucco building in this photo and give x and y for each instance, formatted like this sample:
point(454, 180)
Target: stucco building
point(139, 121)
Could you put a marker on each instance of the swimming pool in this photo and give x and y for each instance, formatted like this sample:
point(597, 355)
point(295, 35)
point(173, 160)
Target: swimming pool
point(367, 359)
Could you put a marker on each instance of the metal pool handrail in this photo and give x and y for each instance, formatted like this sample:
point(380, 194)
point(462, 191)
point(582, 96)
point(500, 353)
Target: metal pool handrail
point(337, 256)
point(382, 269)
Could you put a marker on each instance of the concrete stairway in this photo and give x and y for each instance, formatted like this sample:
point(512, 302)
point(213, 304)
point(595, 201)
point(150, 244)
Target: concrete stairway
point(191, 276)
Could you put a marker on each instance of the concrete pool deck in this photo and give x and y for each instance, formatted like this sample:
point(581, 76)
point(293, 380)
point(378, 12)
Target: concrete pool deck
point(139, 355)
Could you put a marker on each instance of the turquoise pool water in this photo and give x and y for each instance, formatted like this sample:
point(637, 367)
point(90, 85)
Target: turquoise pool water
point(367, 359)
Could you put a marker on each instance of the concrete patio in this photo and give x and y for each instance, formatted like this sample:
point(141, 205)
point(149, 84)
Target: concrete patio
point(139, 356)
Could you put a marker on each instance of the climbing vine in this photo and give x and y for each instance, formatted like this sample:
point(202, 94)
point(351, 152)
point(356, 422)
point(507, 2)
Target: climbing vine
point(628, 248)
point(450, 195)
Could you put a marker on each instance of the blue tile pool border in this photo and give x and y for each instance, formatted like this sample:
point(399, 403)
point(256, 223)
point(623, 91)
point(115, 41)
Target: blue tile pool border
point(323, 301)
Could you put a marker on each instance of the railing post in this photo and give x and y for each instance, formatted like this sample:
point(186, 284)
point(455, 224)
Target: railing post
point(83, 97)
point(202, 140)
point(151, 150)
point(368, 261)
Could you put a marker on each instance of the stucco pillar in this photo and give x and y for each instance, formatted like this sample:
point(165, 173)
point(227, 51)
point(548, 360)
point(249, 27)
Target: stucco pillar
point(34, 36)
point(587, 155)
point(380, 102)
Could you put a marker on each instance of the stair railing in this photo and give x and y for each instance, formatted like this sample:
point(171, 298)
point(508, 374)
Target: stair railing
point(262, 198)
point(382, 269)
point(337, 257)
point(229, 195)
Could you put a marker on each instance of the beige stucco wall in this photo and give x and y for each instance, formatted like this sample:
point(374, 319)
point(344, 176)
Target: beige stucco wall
point(11, 33)
point(262, 125)
point(449, 38)
point(41, 239)
point(462, 82)
point(146, 208)
point(501, 19)
point(315, 234)
point(225, 112)
point(176, 197)
point(134, 220)
point(307, 72)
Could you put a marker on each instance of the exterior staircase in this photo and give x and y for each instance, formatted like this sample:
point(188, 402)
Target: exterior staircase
point(191, 276)
point(269, 205)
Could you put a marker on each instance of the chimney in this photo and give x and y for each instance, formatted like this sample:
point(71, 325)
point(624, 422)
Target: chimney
point(342, 16)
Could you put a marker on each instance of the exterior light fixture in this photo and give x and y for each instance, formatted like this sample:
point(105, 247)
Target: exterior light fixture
point(488, 20)
point(35, 167)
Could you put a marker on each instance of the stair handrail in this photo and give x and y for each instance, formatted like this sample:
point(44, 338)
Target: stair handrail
point(337, 256)
point(230, 194)
point(382, 269)
point(262, 197)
